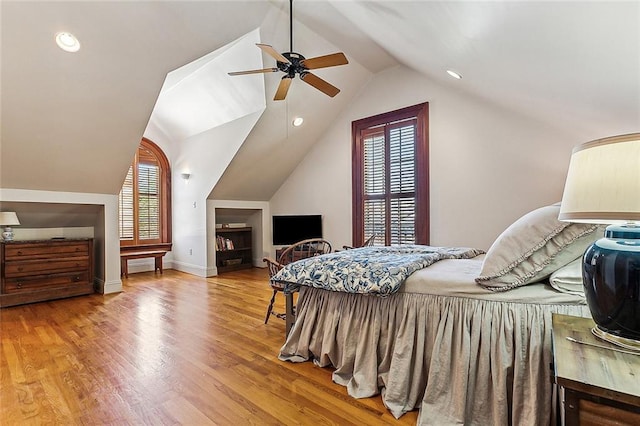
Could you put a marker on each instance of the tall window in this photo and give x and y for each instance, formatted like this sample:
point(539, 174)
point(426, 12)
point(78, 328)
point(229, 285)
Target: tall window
point(144, 208)
point(391, 177)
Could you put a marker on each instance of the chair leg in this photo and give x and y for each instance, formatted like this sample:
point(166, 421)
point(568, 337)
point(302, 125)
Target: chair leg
point(270, 308)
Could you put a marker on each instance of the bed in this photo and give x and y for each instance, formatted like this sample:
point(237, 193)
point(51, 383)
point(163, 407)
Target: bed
point(464, 340)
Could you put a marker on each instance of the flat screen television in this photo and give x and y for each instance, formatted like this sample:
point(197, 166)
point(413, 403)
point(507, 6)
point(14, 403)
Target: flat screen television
point(291, 229)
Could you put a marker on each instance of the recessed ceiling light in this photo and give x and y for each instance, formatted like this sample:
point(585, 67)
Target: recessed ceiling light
point(67, 42)
point(297, 122)
point(454, 74)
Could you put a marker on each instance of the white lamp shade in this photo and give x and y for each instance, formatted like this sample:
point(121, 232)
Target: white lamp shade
point(603, 181)
point(8, 219)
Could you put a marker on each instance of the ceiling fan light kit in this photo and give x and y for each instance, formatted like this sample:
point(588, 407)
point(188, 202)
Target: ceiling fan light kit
point(292, 63)
point(67, 42)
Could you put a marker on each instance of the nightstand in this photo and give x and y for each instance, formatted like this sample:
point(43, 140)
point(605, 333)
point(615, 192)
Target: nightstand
point(597, 386)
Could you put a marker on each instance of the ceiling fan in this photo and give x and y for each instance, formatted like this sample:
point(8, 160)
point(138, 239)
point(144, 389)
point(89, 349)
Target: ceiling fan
point(292, 63)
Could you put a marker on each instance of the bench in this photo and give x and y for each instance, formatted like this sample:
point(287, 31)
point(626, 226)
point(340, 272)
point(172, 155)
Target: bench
point(125, 256)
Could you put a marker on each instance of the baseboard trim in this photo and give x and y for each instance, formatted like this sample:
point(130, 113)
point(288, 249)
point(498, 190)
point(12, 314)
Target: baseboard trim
point(191, 269)
point(212, 271)
point(110, 287)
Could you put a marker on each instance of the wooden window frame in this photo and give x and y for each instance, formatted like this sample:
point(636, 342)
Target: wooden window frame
point(164, 242)
point(358, 128)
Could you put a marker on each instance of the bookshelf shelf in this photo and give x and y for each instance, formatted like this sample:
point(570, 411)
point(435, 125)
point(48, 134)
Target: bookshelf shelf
point(233, 249)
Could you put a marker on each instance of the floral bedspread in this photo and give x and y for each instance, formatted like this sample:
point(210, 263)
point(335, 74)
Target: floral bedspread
point(366, 270)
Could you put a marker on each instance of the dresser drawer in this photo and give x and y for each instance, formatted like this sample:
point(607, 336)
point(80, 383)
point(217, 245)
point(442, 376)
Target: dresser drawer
point(44, 250)
point(593, 413)
point(38, 267)
point(14, 285)
point(39, 270)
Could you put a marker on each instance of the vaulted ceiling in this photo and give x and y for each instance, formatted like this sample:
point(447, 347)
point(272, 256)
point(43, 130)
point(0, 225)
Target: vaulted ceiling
point(71, 122)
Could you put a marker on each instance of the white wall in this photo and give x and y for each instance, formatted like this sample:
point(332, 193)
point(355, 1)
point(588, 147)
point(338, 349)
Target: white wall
point(488, 166)
point(205, 157)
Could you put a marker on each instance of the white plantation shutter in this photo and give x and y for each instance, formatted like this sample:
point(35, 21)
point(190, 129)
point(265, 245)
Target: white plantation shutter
point(390, 181)
point(125, 207)
point(402, 159)
point(374, 184)
point(402, 183)
point(402, 214)
point(374, 218)
point(374, 164)
point(148, 202)
point(388, 195)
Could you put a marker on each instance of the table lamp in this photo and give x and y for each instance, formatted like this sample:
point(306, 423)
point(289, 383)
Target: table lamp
point(8, 219)
point(603, 186)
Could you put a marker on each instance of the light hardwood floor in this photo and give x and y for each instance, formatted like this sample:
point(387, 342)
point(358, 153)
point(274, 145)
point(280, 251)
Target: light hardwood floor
point(170, 349)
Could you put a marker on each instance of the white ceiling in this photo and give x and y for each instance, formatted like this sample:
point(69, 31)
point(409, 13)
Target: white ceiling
point(546, 58)
point(201, 95)
point(73, 121)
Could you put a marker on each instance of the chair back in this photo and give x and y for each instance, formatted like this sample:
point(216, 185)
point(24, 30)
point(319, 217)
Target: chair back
point(371, 241)
point(297, 251)
point(274, 267)
point(303, 249)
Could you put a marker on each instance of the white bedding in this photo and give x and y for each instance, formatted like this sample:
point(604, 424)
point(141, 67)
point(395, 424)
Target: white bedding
point(443, 344)
point(456, 277)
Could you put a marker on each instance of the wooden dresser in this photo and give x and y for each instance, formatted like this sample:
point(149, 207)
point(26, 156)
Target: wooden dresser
point(33, 271)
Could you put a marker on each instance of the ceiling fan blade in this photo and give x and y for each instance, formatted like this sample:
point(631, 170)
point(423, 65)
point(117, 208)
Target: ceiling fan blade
point(325, 61)
point(273, 53)
point(319, 84)
point(253, 71)
point(283, 88)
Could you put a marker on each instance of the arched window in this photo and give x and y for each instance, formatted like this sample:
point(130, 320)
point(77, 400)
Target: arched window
point(145, 200)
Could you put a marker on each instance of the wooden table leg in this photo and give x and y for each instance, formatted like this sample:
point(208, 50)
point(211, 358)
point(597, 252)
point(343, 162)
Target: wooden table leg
point(158, 264)
point(290, 316)
point(124, 268)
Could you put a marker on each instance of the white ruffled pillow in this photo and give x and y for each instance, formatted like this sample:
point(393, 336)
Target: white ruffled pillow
point(532, 248)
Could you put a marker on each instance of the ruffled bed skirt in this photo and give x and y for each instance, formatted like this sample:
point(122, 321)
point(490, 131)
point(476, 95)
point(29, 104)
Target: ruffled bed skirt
point(459, 360)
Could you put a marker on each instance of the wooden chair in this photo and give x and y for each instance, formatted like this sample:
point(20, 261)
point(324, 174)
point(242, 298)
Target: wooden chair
point(297, 251)
point(370, 241)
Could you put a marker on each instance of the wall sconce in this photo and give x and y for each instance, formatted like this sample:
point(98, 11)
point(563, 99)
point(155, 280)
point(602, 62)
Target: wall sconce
point(185, 176)
point(8, 219)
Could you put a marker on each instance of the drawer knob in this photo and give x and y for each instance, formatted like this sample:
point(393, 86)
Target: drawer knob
point(19, 284)
point(76, 278)
point(19, 252)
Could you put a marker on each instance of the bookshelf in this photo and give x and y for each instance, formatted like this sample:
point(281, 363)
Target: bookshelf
point(233, 249)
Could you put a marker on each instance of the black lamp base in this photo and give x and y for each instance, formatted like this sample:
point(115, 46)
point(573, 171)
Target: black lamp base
point(611, 279)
